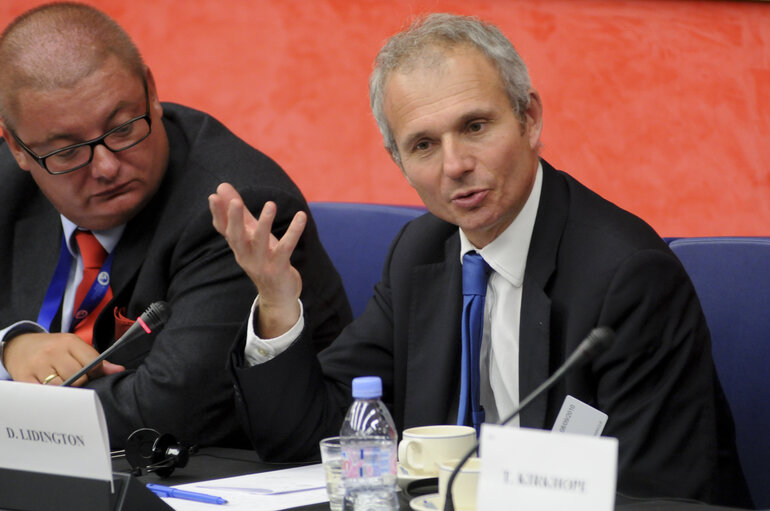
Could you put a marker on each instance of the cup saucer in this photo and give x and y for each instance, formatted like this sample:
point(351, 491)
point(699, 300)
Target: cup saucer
point(405, 476)
point(426, 502)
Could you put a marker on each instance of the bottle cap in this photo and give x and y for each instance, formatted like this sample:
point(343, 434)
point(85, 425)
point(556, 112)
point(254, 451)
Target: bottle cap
point(367, 387)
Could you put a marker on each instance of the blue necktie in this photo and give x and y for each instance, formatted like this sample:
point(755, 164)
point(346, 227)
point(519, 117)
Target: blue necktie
point(475, 276)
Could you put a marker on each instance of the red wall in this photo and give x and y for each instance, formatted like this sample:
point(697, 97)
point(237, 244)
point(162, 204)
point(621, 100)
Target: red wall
point(661, 106)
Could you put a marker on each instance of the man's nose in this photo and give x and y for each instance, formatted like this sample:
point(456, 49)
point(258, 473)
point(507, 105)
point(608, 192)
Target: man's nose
point(105, 163)
point(457, 160)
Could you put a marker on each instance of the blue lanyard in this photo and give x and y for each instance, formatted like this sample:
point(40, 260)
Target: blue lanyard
point(58, 285)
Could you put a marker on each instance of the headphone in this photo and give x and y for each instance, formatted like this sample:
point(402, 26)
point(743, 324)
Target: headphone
point(148, 450)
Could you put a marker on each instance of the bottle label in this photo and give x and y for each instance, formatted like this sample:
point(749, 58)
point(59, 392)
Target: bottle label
point(364, 461)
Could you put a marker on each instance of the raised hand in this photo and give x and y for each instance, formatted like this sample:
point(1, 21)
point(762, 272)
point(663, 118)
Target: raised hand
point(264, 258)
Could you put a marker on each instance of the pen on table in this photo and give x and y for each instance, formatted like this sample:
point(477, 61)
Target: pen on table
point(168, 492)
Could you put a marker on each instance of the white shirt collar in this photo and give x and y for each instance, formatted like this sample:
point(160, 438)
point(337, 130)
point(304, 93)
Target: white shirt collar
point(108, 238)
point(507, 254)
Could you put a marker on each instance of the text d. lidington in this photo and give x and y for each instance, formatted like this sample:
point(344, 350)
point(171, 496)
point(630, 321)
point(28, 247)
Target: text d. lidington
point(48, 437)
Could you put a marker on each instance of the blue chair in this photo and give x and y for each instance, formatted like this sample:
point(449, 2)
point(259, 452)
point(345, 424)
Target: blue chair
point(357, 237)
point(732, 279)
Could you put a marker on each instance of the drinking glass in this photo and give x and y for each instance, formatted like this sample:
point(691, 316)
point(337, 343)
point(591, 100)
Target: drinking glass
point(331, 457)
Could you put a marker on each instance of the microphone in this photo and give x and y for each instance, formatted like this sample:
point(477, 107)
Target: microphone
point(151, 319)
point(598, 340)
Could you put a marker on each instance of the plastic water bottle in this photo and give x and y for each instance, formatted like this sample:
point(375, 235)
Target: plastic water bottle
point(368, 440)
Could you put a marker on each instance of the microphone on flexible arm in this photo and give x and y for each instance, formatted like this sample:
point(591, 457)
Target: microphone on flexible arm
point(597, 341)
point(153, 318)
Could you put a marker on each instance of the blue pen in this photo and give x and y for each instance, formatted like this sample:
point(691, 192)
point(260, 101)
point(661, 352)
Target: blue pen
point(167, 491)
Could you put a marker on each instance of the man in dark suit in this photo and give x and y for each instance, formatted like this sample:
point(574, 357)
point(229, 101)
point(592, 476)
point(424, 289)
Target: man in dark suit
point(89, 147)
point(459, 116)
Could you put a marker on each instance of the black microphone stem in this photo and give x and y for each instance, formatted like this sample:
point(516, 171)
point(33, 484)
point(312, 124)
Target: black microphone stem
point(448, 501)
point(153, 317)
point(597, 341)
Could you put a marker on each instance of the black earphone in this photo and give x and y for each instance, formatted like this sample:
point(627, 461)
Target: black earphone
point(150, 451)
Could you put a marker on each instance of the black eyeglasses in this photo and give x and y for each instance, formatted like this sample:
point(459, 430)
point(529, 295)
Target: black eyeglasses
point(76, 156)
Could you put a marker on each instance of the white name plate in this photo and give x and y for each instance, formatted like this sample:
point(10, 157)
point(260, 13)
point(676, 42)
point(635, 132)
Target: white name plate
point(535, 470)
point(53, 430)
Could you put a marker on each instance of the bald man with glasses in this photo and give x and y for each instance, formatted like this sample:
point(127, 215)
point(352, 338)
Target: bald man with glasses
point(105, 212)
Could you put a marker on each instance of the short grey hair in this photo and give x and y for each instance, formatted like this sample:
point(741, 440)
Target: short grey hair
point(443, 31)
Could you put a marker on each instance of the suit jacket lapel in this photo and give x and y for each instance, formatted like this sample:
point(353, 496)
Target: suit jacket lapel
point(534, 334)
point(37, 238)
point(130, 254)
point(433, 352)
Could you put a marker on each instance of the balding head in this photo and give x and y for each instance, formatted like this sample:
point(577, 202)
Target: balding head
point(55, 46)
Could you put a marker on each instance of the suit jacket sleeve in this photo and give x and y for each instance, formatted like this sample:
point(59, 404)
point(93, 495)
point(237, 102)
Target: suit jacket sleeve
point(658, 383)
point(176, 381)
point(294, 400)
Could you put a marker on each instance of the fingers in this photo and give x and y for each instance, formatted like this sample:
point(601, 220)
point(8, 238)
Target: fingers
point(263, 238)
point(77, 355)
point(33, 357)
point(263, 257)
point(234, 221)
point(227, 192)
point(288, 242)
point(65, 367)
point(51, 379)
point(263, 228)
point(219, 203)
point(253, 241)
point(247, 235)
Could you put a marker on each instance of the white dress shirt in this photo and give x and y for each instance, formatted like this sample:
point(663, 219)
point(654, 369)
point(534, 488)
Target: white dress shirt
point(507, 256)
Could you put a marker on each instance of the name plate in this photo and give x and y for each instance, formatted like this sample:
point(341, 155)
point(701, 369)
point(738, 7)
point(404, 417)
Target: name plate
point(53, 430)
point(533, 470)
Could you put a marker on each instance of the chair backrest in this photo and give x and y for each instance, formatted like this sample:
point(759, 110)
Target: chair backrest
point(357, 237)
point(732, 279)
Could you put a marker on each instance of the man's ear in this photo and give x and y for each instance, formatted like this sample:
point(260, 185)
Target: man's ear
point(152, 93)
point(534, 119)
point(19, 154)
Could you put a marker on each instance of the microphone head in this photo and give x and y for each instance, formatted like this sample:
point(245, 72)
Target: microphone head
point(598, 341)
point(156, 314)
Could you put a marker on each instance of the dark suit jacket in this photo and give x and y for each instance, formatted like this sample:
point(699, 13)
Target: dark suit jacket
point(176, 381)
point(589, 264)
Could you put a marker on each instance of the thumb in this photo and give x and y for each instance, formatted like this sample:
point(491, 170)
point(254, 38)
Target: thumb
point(110, 368)
point(104, 369)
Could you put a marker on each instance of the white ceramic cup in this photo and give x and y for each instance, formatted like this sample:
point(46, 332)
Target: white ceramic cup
point(422, 449)
point(465, 484)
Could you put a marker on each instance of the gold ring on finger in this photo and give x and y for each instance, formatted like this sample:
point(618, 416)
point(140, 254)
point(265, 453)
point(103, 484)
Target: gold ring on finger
point(49, 378)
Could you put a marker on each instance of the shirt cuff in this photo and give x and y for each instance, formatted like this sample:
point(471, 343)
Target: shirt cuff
point(8, 333)
point(258, 350)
